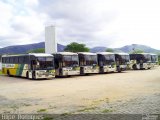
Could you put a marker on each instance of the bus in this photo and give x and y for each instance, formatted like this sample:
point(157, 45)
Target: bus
point(140, 61)
point(106, 62)
point(88, 63)
point(31, 66)
point(0, 62)
point(154, 60)
point(66, 64)
point(122, 61)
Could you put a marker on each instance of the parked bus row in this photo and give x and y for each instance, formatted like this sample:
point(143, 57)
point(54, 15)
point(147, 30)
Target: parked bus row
point(37, 66)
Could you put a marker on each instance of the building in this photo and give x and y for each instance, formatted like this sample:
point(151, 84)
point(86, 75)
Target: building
point(50, 41)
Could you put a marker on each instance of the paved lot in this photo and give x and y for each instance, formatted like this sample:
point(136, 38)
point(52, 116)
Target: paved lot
point(127, 92)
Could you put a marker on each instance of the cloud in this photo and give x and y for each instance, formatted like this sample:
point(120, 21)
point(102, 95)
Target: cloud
point(93, 22)
point(79, 20)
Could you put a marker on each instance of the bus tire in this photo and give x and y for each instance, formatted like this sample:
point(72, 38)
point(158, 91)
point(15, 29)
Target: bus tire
point(33, 75)
point(8, 73)
point(82, 71)
point(134, 67)
point(118, 69)
point(27, 75)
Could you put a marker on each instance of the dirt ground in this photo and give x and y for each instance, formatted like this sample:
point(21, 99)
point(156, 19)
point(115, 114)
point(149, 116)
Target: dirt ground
point(126, 92)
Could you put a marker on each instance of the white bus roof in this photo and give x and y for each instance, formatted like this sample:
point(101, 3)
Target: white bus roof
point(105, 53)
point(87, 53)
point(41, 54)
point(143, 53)
point(153, 54)
point(35, 54)
point(122, 53)
point(66, 53)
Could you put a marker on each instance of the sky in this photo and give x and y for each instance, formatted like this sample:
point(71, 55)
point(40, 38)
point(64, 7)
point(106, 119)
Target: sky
point(108, 23)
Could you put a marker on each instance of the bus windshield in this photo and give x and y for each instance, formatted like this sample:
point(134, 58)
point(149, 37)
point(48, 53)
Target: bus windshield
point(122, 59)
point(125, 58)
point(70, 60)
point(154, 58)
point(91, 59)
point(44, 63)
point(140, 57)
point(110, 58)
point(146, 58)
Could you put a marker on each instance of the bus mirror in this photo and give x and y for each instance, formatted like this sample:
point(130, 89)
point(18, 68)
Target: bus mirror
point(37, 63)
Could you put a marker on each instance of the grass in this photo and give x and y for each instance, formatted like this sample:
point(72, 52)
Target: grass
point(42, 110)
point(66, 114)
point(48, 118)
point(14, 107)
point(107, 111)
point(87, 109)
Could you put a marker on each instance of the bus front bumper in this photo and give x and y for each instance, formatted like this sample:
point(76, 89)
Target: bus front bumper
point(91, 69)
point(109, 69)
point(71, 72)
point(44, 74)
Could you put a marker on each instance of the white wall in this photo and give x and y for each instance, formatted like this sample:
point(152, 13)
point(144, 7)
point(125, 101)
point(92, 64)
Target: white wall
point(50, 41)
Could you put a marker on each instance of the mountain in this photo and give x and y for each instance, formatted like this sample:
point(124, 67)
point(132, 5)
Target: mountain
point(130, 48)
point(20, 49)
point(98, 49)
point(127, 49)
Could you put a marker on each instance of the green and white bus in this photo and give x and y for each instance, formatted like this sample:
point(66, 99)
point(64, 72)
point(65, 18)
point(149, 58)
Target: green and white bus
point(106, 62)
point(31, 66)
point(122, 61)
point(66, 64)
point(88, 63)
point(140, 61)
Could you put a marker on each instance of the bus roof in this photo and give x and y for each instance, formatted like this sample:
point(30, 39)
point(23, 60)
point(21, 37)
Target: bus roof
point(153, 54)
point(41, 54)
point(142, 53)
point(87, 53)
point(34, 54)
point(66, 53)
point(105, 53)
point(122, 53)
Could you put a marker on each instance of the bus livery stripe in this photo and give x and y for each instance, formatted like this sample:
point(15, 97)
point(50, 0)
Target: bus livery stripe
point(19, 69)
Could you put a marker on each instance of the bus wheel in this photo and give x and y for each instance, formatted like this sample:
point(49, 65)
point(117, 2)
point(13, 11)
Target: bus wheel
point(33, 75)
point(27, 75)
point(118, 69)
point(134, 67)
point(8, 73)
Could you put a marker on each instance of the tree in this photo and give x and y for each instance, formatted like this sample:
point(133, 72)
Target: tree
point(76, 47)
point(137, 51)
point(39, 50)
point(109, 50)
